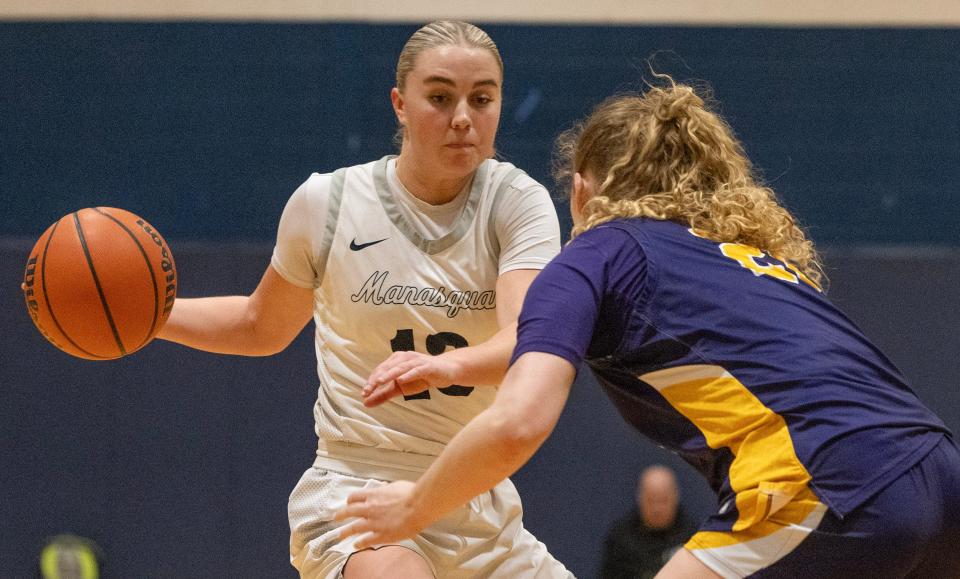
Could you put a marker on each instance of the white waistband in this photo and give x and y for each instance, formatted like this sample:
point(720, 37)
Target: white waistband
point(371, 462)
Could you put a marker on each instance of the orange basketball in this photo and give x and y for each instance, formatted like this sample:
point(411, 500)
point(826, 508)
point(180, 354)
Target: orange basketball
point(100, 283)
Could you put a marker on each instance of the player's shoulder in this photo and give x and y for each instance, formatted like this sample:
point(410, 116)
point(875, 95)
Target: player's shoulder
point(614, 232)
point(506, 175)
point(619, 241)
point(512, 193)
point(315, 189)
point(644, 231)
point(319, 185)
point(645, 225)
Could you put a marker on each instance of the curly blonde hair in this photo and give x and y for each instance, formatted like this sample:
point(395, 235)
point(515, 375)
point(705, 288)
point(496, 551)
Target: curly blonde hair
point(665, 155)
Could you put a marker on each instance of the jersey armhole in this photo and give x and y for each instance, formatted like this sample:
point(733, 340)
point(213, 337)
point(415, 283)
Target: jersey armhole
point(335, 196)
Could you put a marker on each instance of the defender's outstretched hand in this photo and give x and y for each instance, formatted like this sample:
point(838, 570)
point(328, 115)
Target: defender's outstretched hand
point(407, 373)
point(384, 515)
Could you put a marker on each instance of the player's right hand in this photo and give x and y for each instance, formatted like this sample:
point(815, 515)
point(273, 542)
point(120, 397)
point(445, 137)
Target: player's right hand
point(383, 515)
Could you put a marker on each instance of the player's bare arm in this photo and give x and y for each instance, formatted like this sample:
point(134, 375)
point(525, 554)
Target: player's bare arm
point(489, 449)
point(481, 365)
point(260, 324)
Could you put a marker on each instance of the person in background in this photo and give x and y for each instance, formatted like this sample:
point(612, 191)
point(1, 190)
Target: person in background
point(697, 301)
point(641, 542)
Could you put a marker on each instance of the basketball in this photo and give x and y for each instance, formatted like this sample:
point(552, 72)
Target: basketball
point(100, 283)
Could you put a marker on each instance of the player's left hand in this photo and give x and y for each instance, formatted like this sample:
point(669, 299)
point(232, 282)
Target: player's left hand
point(384, 515)
point(407, 373)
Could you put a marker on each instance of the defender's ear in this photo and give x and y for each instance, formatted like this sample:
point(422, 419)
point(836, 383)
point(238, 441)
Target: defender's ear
point(584, 189)
point(577, 190)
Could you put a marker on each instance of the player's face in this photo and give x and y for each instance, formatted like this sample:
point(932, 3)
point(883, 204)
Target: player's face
point(450, 109)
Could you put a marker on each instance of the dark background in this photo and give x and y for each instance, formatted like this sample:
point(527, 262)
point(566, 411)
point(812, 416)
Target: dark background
point(178, 463)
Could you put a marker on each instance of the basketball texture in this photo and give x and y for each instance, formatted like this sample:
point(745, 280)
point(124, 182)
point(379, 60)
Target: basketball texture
point(100, 283)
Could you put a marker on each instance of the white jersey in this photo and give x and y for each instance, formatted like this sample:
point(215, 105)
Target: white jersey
point(392, 273)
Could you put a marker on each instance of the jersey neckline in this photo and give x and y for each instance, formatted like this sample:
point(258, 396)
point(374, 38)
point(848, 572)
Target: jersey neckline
point(460, 227)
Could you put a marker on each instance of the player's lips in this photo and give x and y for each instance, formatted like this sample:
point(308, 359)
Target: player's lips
point(459, 145)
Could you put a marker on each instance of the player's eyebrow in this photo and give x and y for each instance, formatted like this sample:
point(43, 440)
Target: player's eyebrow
point(449, 82)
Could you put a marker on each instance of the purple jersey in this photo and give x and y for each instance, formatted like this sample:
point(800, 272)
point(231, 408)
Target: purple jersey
point(732, 359)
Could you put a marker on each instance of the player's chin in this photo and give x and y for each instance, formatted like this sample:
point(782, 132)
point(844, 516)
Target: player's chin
point(463, 159)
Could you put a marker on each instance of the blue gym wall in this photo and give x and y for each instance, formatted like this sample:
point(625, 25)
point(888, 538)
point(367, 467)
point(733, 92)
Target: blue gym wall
point(178, 463)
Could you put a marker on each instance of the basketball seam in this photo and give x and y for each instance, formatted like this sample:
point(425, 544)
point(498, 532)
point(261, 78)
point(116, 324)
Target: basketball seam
point(96, 282)
point(46, 297)
point(153, 275)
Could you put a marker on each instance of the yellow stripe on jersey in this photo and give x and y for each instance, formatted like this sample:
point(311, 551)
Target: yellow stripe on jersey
point(798, 516)
point(766, 473)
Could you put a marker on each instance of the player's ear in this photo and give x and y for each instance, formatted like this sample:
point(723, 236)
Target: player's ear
point(398, 105)
point(584, 189)
point(579, 195)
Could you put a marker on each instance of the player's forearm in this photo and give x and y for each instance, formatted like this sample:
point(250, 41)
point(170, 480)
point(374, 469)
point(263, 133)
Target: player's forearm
point(500, 439)
point(216, 324)
point(489, 449)
point(484, 364)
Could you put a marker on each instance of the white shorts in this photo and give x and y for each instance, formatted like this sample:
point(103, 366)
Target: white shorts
point(484, 538)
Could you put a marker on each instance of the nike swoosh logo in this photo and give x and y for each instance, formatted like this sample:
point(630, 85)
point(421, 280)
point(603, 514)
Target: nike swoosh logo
point(358, 246)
